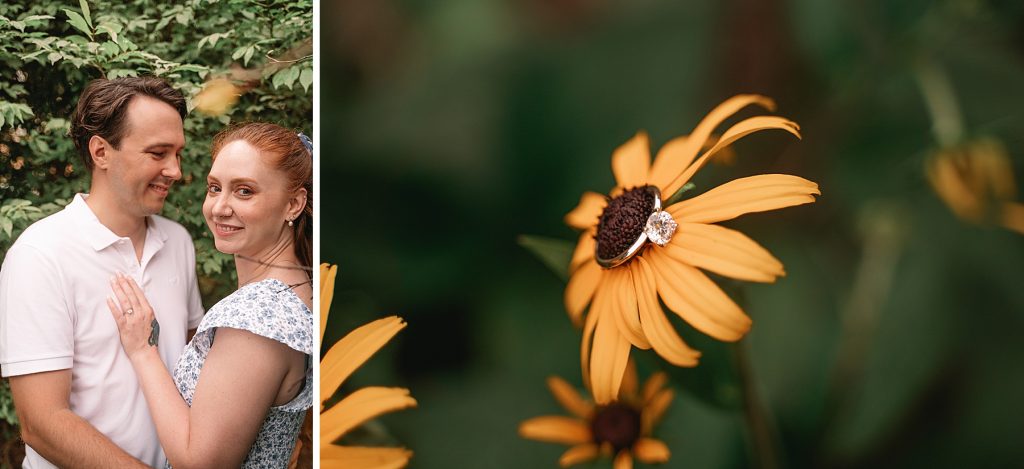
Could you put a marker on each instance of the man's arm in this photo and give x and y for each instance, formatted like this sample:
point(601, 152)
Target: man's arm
point(50, 427)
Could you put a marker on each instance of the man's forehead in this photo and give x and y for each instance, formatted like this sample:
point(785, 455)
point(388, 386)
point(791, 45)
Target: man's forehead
point(153, 123)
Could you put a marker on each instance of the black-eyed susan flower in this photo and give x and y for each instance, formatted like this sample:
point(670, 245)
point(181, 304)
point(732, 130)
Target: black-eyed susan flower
point(633, 249)
point(362, 405)
point(976, 182)
point(620, 429)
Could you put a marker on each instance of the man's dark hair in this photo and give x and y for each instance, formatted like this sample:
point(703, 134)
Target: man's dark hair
point(101, 109)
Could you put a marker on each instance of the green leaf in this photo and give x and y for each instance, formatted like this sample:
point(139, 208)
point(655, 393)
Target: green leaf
point(110, 48)
point(53, 57)
point(78, 22)
point(34, 18)
point(248, 55)
point(125, 44)
point(121, 73)
point(554, 253)
point(285, 77)
point(184, 17)
point(111, 29)
point(191, 68)
point(306, 78)
point(7, 225)
point(33, 55)
point(680, 194)
point(85, 12)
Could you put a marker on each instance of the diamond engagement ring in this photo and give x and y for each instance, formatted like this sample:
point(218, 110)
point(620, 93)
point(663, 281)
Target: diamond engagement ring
point(129, 312)
point(628, 222)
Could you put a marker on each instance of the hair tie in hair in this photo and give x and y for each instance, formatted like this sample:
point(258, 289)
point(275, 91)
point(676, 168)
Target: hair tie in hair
point(306, 142)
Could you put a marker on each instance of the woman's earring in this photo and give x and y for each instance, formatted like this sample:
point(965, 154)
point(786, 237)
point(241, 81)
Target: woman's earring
point(291, 223)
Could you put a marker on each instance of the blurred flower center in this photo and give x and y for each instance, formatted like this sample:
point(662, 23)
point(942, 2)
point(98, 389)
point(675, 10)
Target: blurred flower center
point(623, 221)
point(616, 424)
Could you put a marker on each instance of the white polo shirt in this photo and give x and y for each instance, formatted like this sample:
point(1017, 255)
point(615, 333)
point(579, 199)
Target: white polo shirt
point(53, 316)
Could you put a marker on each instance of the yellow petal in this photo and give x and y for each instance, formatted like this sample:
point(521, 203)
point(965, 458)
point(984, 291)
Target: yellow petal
point(586, 346)
point(653, 385)
point(327, 274)
point(580, 289)
point(663, 337)
point(629, 382)
point(586, 214)
point(610, 353)
point(631, 161)
point(567, 395)
point(623, 461)
point(651, 451)
point(556, 429)
point(655, 410)
point(734, 133)
point(579, 453)
point(745, 195)
point(360, 406)
point(584, 251)
point(625, 314)
point(1013, 216)
point(677, 154)
point(961, 192)
point(353, 350)
point(695, 298)
point(358, 457)
point(723, 251)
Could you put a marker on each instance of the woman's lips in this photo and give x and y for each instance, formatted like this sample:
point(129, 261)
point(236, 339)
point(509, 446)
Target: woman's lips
point(226, 230)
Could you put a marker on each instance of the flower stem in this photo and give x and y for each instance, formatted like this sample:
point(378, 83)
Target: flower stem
point(940, 99)
point(762, 434)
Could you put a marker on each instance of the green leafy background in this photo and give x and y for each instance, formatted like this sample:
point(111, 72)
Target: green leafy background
point(49, 50)
point(454, 127)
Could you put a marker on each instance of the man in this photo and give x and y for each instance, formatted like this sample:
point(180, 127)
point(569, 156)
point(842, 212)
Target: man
point(74, 390)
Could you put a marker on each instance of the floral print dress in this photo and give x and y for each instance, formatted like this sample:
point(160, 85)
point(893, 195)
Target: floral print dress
point(271, 309)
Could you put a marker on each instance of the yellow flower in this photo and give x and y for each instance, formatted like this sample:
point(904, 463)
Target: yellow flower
point(364, 404)
point(217, 97)
point(620, 429)
point(616, 271)
point(976, 182)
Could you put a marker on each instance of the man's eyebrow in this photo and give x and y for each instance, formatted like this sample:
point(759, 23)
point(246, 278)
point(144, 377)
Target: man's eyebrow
point(158, 146)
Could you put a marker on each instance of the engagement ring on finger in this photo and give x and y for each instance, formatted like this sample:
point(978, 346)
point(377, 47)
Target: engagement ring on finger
point(129, 312)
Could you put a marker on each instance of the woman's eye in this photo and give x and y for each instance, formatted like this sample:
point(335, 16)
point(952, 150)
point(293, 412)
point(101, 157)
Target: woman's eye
point(212, 188)
point(245, 192)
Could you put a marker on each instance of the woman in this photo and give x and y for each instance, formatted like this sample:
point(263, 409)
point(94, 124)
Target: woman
point(239, 400)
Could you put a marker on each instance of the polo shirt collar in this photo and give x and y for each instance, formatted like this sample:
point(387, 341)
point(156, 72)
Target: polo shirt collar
point(97, 234)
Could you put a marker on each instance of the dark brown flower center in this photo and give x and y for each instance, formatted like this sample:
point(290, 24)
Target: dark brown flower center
point(623, 221)
point(616, 424)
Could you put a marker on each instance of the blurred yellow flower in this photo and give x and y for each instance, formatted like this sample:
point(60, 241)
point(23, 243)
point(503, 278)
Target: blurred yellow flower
point(620, 429)
point(217, 97)
point(633, 251)
point(364, 404)
point(976, 182)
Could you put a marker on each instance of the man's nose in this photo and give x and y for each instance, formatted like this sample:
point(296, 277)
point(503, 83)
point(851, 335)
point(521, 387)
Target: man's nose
point(172, 170)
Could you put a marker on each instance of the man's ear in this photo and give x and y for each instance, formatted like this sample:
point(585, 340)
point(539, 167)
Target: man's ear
point(98, 151)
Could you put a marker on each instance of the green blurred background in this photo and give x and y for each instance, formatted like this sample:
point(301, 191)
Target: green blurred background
point(449, 128)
